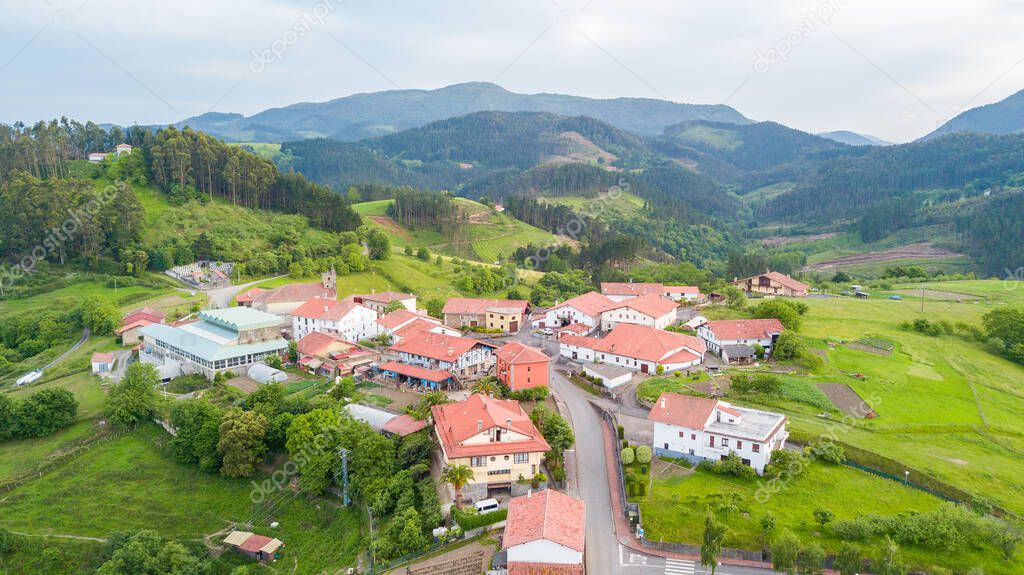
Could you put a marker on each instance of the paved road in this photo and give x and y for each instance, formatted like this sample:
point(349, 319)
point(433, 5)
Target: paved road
point(78, 344)
point(605, 555)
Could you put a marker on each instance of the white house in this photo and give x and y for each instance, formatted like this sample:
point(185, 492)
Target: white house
point(698, 428)
point(739, 336)
point(402, 321)
point(123, 149)
point(636, 347)
point(545, 533)
point(346, 319)
point(585, 309)
point(648, 310)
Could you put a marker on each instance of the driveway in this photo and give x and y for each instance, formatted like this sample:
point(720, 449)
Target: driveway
point(221, 297)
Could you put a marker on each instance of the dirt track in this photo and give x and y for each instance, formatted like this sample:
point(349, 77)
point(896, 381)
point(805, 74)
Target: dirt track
point(912, 251)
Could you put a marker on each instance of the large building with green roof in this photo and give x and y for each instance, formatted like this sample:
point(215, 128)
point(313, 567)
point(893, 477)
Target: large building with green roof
point(220, 340)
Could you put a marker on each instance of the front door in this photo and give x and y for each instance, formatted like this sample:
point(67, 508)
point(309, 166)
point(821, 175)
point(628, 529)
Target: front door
point(643, 368)
point(513, 326)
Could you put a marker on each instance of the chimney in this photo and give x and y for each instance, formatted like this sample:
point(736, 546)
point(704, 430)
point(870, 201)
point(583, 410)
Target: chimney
point(529, 493)
point(663, 403)
point(508, 423)
point(451, 351)
point(479, 425)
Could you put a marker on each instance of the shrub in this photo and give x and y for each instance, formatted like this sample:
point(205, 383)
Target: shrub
point(732, 464)
point(785, 463)
point(622, 433)
point(643, 469)
point(627, 455)
point(469, 519)
point(826, 451)
point(642, 489)
point(643, 454)
point(823, 516)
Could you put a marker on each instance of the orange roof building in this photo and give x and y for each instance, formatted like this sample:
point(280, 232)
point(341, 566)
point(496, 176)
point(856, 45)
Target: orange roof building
point(494, 437)
point(734, 338)
point(585, 309)
point(504, 315)
point(545, 533)
point(521, 367)
point(649, 310)
point(346, 319)
point(772, 283)
point(636, 347)
point(463, 357)
point(332, 356)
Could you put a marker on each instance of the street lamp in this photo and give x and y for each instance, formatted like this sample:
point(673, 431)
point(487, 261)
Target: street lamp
point(906, 477)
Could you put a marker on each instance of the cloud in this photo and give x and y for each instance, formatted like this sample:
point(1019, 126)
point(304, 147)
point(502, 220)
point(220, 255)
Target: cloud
point(895, 70)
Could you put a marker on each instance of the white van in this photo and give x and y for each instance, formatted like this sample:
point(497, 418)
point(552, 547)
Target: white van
point(486, 505)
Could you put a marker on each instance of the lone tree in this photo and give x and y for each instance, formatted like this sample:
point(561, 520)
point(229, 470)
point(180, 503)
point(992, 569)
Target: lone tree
point(457, 476)
point(849, 561)
point(711, 547)
point(785, 551)
point(888, 562)
point(134, 399)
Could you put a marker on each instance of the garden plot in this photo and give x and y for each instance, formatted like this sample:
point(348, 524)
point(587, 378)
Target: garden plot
point(847, 400)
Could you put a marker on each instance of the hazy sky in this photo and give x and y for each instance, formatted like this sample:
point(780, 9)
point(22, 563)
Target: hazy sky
point(894, 69)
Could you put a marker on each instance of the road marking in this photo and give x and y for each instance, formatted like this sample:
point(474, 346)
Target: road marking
point(679, 567)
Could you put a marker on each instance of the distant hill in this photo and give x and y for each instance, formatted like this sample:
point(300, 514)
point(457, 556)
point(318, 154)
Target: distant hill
point(853, 138)
point(367, 115)
point(1002, 117)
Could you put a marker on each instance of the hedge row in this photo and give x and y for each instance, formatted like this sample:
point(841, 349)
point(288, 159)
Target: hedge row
point(468, 520)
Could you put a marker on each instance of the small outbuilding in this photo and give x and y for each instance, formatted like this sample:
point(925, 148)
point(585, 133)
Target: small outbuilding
point(263, 374)
point(258, 547)
point(102, 362)
point(611, 376)
point(741, 354)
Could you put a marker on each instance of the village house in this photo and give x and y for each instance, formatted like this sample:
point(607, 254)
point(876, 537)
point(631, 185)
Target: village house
point(123, 149)
point(415, 376)
point(464, 358)
point(402, 321)
point(636, 347)
point(493, 437)
point(132, 323)
point(697, 428)
point(284, 300)
point(220, 340)
point(772, 283)
point(622, 291)
point(545, 533)
point(734, 339)
point(345, 318)
point(521, 367)
point(647, 310)
point(378, 302)
point(585, 309)
point(506, 316)
point(331, 356)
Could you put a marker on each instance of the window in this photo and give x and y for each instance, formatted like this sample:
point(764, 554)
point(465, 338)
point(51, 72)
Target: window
point(693, 437)
point(522, 457)
point(725, 442)
point(681, 434)
point(739, 444)
point(500, 472)
point(711, 441)
point(755, 447)
point(478, 462)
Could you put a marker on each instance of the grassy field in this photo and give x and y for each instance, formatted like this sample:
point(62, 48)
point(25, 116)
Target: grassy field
point(486, 236)
point(651, 388)
point(674, 510)
point(946, 406)
point(605, 208)
point(131, 483)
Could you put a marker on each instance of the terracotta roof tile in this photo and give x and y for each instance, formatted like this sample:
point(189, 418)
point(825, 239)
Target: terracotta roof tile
point(325, 309)
point(454, 423)
point(590, 303)
point(654, 306)
point(515, 352)
point(476, 306)
point(730, 329)
point(437, 346)
point(295, 292)
point(682, 410)
point(641, 342)
point(547, 515)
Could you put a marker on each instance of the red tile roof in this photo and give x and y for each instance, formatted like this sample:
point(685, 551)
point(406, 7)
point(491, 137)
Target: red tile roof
point(134, 324)
point(455, 423)
point(590, 303)
point(652, 305)
point(248, 296)
point(400, 317)
point(577, 328)
point(633, 289)
point(295, 292)
point(325, 309)
point(788, 281)
point(682, 410)
point(420, 324)
point(386, 296)
point(148, 313)
point(640, 342)
point(435, 375)
point(730, 329)
point(101, 357)
point(682, 289)
point(515, 352)
point(435, 345)
point(547, 515)
point(404, 425)
point(521, 568)
point(475, 306)
point(320, 344)
point(255, 543)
